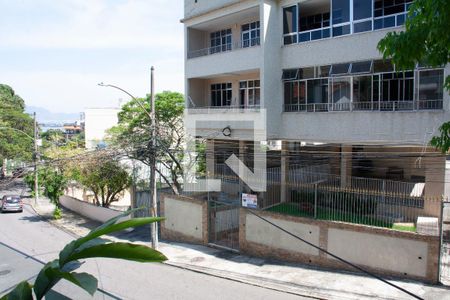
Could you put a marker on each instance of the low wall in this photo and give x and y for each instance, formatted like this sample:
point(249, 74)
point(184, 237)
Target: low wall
point(386, 252)
point(185, 219)
point(88, 196)
point(89, 210)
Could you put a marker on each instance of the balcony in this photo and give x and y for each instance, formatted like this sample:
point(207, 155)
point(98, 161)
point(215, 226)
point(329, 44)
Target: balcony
point(321, 19)
point(242, 44)
point(382, 106)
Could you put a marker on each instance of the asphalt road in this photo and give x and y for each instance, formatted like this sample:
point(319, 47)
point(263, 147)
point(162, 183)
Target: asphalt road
point(26, 241)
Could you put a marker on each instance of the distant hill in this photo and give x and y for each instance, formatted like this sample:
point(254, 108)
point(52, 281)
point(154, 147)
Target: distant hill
point(45, 116)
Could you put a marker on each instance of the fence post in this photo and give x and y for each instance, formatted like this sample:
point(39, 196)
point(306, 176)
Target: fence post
point(315, 201)
point(441, 237)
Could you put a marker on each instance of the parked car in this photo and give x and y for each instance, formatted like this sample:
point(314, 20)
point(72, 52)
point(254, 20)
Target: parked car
point(11, 203)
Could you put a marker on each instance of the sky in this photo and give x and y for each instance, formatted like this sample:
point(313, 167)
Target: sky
point(53, 53)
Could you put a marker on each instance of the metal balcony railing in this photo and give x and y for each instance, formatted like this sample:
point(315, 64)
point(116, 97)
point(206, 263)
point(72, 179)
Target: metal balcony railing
point(417, 105)
point(223, 109)
point(242, 44)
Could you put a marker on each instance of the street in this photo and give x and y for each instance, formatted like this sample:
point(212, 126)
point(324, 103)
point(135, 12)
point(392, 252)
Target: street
point(26, 240)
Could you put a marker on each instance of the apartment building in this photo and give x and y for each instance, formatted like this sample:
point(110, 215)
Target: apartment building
point(97, 122)
point(329, 98)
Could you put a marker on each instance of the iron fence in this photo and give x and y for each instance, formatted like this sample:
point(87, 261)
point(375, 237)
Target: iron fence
point(312, 192)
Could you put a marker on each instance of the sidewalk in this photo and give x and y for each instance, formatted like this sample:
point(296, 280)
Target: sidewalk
point(291, 278)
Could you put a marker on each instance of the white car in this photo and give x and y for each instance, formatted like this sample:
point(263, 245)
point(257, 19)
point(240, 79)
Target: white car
point(11, 203)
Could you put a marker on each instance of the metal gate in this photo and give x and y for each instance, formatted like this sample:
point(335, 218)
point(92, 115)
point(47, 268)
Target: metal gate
point(223, 221)
point(445, 244)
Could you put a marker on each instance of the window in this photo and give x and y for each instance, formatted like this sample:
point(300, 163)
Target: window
point(365, 85)
point(220, 41)
point(290, 24)
point(221, 94)
point(397, 90)
point(340, 69)
point(341, 11)
point(390, 13)
point(250, 34)
point(431, 85)
point(341, 16)
point(314, 22)
point(341, 93)
point(249, 93)
point(291, 74)
point(305, 73)
point(361, 67)
point(362, 9)
point(362, 92)
point(318, 91)
point(382, 66)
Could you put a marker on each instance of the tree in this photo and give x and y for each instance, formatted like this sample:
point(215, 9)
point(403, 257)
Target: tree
point(133, 134)
point(53, 182)
point(104, 176)
point(426, 40)
point(15, 125)
point(89, 246)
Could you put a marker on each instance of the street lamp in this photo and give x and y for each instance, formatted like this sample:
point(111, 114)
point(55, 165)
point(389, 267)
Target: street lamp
point(152, 116)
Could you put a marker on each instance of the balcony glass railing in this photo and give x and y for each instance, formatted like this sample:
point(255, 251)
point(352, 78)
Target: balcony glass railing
point(243, 44)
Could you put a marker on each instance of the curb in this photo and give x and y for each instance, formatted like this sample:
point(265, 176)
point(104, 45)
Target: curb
point(271, 284)
point(277, 285)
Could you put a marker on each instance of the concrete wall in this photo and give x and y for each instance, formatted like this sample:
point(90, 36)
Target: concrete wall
point(386, 252)
point(89, 210)
point(352, 127)
point(238, 60)
point(186, 219)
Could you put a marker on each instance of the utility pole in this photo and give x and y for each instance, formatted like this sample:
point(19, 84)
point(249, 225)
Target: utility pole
point(35, 158)
point(153, 195)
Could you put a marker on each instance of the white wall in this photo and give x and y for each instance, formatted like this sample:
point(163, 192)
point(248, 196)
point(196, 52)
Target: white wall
point(88, 210)
point(260, 232)
point(353, 127)
point(97, 121)
point(183, 217)
point(381, 252)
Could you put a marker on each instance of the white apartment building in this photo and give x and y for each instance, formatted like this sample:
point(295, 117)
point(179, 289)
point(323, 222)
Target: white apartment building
point(314, 67)
point(97, 122)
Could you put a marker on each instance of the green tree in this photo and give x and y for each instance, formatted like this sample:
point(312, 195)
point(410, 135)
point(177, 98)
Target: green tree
point(426, 39)
point(52, 182)
point(133, 134)
point(104, 176)
point(14, 144)
point(89, 246)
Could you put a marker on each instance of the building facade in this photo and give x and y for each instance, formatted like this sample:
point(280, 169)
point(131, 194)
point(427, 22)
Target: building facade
point(97, 122)
point(329, 98)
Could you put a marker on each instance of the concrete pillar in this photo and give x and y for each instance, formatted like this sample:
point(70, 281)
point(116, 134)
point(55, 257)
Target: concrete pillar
point(241, 155)
point(435, 186)
point(346, 164)
point(210, 158)
point(284, 197)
